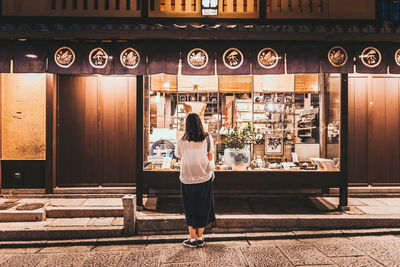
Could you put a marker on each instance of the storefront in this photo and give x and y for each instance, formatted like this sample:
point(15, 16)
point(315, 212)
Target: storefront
point(277, 112)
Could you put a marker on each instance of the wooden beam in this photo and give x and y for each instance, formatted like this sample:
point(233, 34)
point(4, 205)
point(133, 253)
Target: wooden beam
point(263, 10)
point(144, 8)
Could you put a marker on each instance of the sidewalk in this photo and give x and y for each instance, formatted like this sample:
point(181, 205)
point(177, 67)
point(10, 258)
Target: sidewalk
point(69, 218)
point(343, 251)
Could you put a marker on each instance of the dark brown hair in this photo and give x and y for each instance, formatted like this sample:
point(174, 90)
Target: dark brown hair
point(194, 131)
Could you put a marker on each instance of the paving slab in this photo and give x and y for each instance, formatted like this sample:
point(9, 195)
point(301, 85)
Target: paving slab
point(118, 221)
point(23, 225)
point(242, 243)
point(69, 222)
point(103, 202)
point(66, 249)
point(336, 248)
point(362, 261)
point(390, 201)
point(304, 254)
point(62, 260)
point(386, 252)
point(372, 202)
point(119, 247)
point(265, 256)
point(351, 201)
point(275, 242)
point(380, 210)
point(102, 221)
point(186, 264)
point(146, 258)
point(23, 260)
point(84, 211)
point(294, 206)
point(181, 255)
point(28, 250)
point(3, 258)
point(232, 206)
point(223, 256)
point(264, 205)
point(22, 215)
point(66, 202)
point(99, 259)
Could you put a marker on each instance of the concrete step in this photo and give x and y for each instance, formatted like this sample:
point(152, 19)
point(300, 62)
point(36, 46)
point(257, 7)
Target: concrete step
point(59, 233)
point(22, 215)
point(94, 190)
point(81, 211)
point(175, 224)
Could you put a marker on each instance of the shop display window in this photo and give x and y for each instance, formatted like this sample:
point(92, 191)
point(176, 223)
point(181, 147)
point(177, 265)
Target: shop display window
point(287, 122)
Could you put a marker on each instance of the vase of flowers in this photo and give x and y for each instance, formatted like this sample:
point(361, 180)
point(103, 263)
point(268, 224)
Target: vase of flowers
point(238, 141)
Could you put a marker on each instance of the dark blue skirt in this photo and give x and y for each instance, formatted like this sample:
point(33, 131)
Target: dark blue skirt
point(198, 203)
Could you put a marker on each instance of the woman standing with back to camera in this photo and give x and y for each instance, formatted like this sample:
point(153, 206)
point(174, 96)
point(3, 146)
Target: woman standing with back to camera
point(196, 175)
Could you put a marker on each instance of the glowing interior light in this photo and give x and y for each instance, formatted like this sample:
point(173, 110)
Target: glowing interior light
point(158, 98)
point(270, 107)
point(31, 56)
point(315, 87)
point(166, 85)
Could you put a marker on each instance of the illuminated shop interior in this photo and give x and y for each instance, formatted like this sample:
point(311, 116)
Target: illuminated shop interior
point(287, 122)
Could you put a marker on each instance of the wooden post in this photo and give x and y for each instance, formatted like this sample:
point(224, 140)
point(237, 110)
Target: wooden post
point(344, 86)
point(129, 203)
point(1, 125)
point(50, 132)
point(139, 140)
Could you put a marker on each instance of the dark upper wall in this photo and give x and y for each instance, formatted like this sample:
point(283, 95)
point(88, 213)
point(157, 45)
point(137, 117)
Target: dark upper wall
point(227, 9)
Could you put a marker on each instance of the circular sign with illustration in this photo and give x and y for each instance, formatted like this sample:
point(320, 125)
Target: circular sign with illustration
point(268, 58)
point(337, 56)
point(130, 58)
point(233, 58)
point(197, 58)
point(397, 57)
point(64, 57)
point(371, 57)
point(98, 58)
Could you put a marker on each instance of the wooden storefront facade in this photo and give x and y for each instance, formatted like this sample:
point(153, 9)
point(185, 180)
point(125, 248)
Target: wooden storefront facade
point(92, 122)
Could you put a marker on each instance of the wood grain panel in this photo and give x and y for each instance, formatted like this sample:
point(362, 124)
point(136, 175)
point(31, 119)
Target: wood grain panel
point(108, 140)
point(377, 132)
point(132, 128)
point(73, 156)
point(90, 128)
point(360, 132)
point(97, 134)
point(392, 131)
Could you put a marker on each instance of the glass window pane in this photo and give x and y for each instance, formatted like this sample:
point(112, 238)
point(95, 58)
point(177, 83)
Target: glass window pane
point(258, 123)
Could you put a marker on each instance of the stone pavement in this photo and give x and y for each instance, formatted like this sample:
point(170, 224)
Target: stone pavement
point(367, 251)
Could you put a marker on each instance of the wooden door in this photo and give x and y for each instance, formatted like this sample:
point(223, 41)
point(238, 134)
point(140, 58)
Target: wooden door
point(96, 131)
point(374, 130)
point(383, 132)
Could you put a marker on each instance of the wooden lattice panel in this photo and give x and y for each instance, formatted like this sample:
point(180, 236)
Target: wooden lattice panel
point(71, 8)
point(192, 8)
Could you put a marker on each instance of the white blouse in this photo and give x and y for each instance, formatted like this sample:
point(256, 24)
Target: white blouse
point(195, 166)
